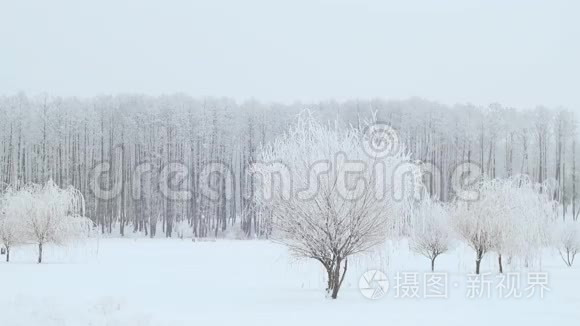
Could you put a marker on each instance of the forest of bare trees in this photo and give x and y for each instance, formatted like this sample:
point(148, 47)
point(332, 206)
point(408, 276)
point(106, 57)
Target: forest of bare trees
point(64, 139)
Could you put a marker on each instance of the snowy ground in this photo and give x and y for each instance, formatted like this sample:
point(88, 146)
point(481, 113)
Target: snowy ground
point(178, 282)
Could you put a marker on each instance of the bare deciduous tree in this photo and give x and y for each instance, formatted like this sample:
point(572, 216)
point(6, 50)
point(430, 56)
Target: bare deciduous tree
point(430, 235)
point(566, 239)
point(328, 198)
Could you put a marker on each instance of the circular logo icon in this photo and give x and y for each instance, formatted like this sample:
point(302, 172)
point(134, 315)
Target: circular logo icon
point(380, 141)
point(373, 284)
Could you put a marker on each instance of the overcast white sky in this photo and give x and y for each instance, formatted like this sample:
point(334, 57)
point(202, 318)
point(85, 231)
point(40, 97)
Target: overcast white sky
point(519, 53)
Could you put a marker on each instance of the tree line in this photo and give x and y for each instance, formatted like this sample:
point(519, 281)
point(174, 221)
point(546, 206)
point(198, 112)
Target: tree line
point(62, 139)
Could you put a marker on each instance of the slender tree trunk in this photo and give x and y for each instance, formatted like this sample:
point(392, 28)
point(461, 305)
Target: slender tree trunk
point(336, 280)
point(7, 254)
point(330, 277)
point(478, 260)
point(433, 263)
point(500, 263)
point(574, 217)
point(334, 276)
point(40, 252)
point(338, 277)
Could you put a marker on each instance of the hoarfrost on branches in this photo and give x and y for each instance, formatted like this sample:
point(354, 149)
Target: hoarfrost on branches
point(566, 239)
point(11, 231)
point(44, 214)
point(430, 234)
point(511, 218)
point(316, 209)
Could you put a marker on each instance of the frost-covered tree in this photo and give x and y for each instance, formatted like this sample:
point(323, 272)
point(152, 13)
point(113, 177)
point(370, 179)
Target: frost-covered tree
point(11, 230)
point(511, 217)
point(566, 239)
point(471, 222)
point(430, 234)
point(328, 197)
point(50, 214)
point(9, 234)
point(524, 212)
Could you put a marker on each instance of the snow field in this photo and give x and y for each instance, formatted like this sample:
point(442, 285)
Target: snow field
point(179, 282)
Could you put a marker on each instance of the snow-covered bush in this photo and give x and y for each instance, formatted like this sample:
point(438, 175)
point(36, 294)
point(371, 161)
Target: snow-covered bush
point(566, 239)
point(430, 234)
point(235, 232)
point(316, 210)
point(183, 229)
